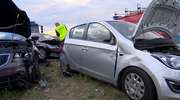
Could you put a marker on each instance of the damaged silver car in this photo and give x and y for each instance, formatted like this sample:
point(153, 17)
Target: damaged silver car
point(144, 61)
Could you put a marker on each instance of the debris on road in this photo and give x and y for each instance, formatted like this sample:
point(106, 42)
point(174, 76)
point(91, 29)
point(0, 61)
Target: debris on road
point(99, 92)
point(43, 83)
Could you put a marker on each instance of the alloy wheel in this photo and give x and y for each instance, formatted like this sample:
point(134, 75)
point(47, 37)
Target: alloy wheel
point(134, 86)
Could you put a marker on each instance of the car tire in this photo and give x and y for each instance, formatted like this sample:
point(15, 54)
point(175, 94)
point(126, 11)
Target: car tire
point(36, 73)
point(138, 85)
point(43, 54)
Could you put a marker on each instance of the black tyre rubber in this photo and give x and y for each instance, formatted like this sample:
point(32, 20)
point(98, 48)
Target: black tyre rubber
point(150, 91)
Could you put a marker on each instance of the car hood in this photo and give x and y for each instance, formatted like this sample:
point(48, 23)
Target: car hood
point(13, 19)
point(161, 15)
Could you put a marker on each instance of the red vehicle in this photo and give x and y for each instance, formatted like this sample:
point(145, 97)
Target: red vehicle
point(131, 16)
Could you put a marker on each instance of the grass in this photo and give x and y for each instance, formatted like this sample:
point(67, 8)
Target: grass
point(7, 95)
point(78, 87)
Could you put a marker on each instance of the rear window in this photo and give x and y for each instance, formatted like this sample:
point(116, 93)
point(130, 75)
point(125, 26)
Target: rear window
point(126, 29)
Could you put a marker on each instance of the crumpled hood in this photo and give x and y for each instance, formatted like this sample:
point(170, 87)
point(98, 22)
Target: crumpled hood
point(161, 15)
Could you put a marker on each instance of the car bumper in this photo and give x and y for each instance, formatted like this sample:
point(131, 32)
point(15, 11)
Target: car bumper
point(169, 85)
point(11, 74)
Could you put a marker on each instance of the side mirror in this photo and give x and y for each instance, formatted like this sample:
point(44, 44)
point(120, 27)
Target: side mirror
point(35, 38)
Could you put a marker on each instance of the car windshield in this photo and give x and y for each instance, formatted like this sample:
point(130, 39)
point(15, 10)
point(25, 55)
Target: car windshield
point(6, 36)
point(125, 28)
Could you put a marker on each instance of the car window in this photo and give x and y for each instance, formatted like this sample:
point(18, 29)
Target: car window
point(77, 32)
point(126, 29)
point(99, 33)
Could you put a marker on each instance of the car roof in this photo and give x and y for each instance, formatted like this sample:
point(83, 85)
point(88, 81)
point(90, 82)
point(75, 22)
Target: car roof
point(103, 22)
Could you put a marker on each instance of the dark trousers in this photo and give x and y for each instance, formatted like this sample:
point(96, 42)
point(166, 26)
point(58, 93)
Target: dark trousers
point(61, 55)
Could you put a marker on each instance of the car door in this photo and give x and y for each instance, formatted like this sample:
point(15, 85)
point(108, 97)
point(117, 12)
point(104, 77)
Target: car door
point(74, 44)
point(100, 55)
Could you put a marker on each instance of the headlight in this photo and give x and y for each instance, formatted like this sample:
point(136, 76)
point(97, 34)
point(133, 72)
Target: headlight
point(16, 57)
point(170, 61)
point(175, 61)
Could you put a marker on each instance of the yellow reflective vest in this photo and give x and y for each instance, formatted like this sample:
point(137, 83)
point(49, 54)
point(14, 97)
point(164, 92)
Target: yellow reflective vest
point(62, 30)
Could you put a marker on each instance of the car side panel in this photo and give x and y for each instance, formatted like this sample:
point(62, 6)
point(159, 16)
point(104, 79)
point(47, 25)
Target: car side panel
point(99, 59)
point(73, 52)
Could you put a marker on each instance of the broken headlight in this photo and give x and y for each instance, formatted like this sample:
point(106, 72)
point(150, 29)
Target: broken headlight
point(170, 61)
point(20, 56)
point(17, 55)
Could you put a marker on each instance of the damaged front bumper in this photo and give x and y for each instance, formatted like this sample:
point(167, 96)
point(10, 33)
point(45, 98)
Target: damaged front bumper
point(12, 73)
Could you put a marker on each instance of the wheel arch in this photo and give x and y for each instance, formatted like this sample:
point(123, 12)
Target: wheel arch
point(119, 80)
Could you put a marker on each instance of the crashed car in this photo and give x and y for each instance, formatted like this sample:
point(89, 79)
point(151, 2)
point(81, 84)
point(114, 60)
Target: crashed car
point(18, 60)
point(48, 46)
point(143, 60)
point(18, 54)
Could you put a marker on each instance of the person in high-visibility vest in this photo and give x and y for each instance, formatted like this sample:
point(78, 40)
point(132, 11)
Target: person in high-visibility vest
point(61, 32)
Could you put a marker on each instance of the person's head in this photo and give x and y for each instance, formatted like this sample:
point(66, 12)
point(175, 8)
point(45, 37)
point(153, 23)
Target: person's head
point(57, 24)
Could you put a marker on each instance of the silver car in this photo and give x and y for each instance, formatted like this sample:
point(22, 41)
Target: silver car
point(143, 61)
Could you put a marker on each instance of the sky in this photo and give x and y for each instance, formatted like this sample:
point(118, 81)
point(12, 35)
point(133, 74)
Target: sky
point(73, 12)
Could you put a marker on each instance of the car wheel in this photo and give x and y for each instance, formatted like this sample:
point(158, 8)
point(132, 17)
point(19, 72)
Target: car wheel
point(36, 73)
point(138, 85)
point(43, 54)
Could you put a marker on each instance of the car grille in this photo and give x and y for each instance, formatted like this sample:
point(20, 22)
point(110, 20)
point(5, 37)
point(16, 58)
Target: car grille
point(3, 59)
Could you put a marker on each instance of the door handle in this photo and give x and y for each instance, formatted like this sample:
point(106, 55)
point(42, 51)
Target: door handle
point(84, 49)
point(120, 54)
